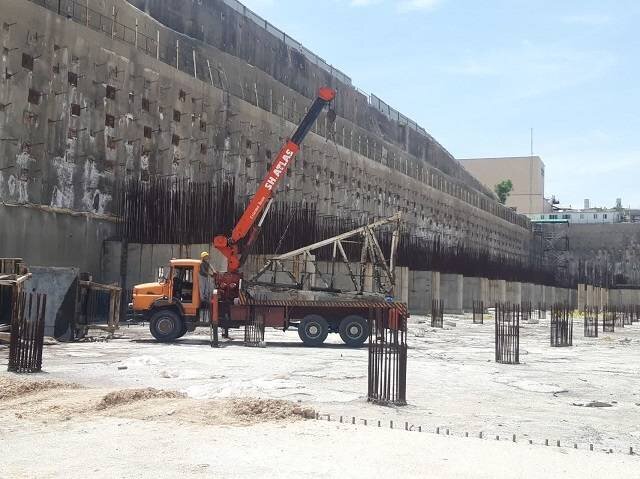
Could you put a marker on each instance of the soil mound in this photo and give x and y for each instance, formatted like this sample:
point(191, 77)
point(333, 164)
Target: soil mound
point(11, 388)
point(259, 410)
point(127, 396)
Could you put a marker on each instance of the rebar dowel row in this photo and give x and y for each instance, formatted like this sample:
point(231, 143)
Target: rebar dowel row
point(507, 333)
point(27, 333)
point(165, 210)
point(418, 428)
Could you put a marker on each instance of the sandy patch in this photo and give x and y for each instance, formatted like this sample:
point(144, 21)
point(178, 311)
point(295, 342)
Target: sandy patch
point(11, 388)
point(127, 396)
point(261, 410)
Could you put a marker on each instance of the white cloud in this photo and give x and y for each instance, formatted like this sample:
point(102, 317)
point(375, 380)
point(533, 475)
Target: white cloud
point(589, 19)
point(414, 5)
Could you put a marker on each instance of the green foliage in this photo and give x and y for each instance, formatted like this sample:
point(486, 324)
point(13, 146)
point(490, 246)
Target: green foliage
point(503, 189)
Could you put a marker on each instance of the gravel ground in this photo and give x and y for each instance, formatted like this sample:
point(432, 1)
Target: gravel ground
point(585, 394)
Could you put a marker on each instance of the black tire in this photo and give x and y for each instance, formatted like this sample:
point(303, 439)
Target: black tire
point(166, 325)
point(354, 330)
point(313, 330)
point(184, 330)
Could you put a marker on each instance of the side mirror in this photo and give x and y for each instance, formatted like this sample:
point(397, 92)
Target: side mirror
point(161, 277)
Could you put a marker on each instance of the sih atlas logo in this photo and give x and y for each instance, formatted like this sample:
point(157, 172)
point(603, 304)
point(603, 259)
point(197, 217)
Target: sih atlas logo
point(278, 169)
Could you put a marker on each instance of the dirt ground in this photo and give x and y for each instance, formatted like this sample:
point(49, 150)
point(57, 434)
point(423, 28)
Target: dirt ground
point(131, 407)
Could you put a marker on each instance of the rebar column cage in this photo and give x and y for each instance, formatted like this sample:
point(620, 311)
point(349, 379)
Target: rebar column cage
point(591, 322)
point(561, 326)
point(478, 312)
point(526, 310)
point(437, 313)
point(27, 333)
point(542, 311)
point(254, 329)
point(627, 314)
point(608, 319)
point(387, 374)
point(507, 333)
point(619, 317)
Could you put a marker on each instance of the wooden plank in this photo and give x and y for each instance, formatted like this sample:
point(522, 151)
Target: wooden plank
point(100, 286)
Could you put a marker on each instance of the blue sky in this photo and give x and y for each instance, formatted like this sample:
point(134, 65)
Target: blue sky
point(478, 75)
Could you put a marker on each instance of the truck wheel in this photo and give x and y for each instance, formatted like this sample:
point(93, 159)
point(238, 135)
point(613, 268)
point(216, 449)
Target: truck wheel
point(165, 325)
point(354, 330)
point(313, 330)
point(184, 330)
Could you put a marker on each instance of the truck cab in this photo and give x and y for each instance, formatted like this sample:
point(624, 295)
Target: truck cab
point(171, 304)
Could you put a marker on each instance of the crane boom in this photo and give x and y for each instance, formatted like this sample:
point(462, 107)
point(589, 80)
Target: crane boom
point(246, 229)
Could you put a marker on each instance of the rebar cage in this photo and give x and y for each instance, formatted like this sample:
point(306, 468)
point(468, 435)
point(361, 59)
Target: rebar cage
point(608, 319)
point(254, 329)
point(619, 316)
point(591, 322)
point(542, 311)
point(387, 375)
point(437, 313)
point(478, 312)
point(526, 310)
point(627, 314)
point(507, 333)
point(27, 333)
point(561, 325)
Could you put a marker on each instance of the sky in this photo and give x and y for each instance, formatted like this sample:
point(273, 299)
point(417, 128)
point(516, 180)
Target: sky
point(479, 75)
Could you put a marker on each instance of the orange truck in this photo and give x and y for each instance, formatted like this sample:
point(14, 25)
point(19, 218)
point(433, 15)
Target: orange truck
point(173, 305)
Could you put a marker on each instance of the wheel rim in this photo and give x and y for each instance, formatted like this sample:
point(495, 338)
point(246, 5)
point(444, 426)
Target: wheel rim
point(165, 325)
point(354, 331)
point(314, 330)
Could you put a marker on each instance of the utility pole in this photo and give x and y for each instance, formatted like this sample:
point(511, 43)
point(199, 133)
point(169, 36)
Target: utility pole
point(531, 174)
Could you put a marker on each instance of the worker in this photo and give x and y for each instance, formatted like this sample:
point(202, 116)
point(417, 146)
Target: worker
point(207, 273)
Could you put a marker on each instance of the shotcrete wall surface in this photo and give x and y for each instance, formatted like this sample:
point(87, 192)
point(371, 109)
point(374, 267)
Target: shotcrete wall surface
point(81, 109)
point(602, 252)
point(52, 237)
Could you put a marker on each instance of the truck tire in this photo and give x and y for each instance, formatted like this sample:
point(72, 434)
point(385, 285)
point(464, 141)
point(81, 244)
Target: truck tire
point(354, 330)
point(165, 325)
point(313, 330)
point(184, 330)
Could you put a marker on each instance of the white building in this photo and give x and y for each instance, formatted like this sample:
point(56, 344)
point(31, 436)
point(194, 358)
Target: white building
point(580, 216)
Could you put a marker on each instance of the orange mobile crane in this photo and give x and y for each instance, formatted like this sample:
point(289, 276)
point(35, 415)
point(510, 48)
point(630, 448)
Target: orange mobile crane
point(172, 305)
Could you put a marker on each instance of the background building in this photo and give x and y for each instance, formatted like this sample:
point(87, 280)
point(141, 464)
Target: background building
point(589, 215)
point(525, 172)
